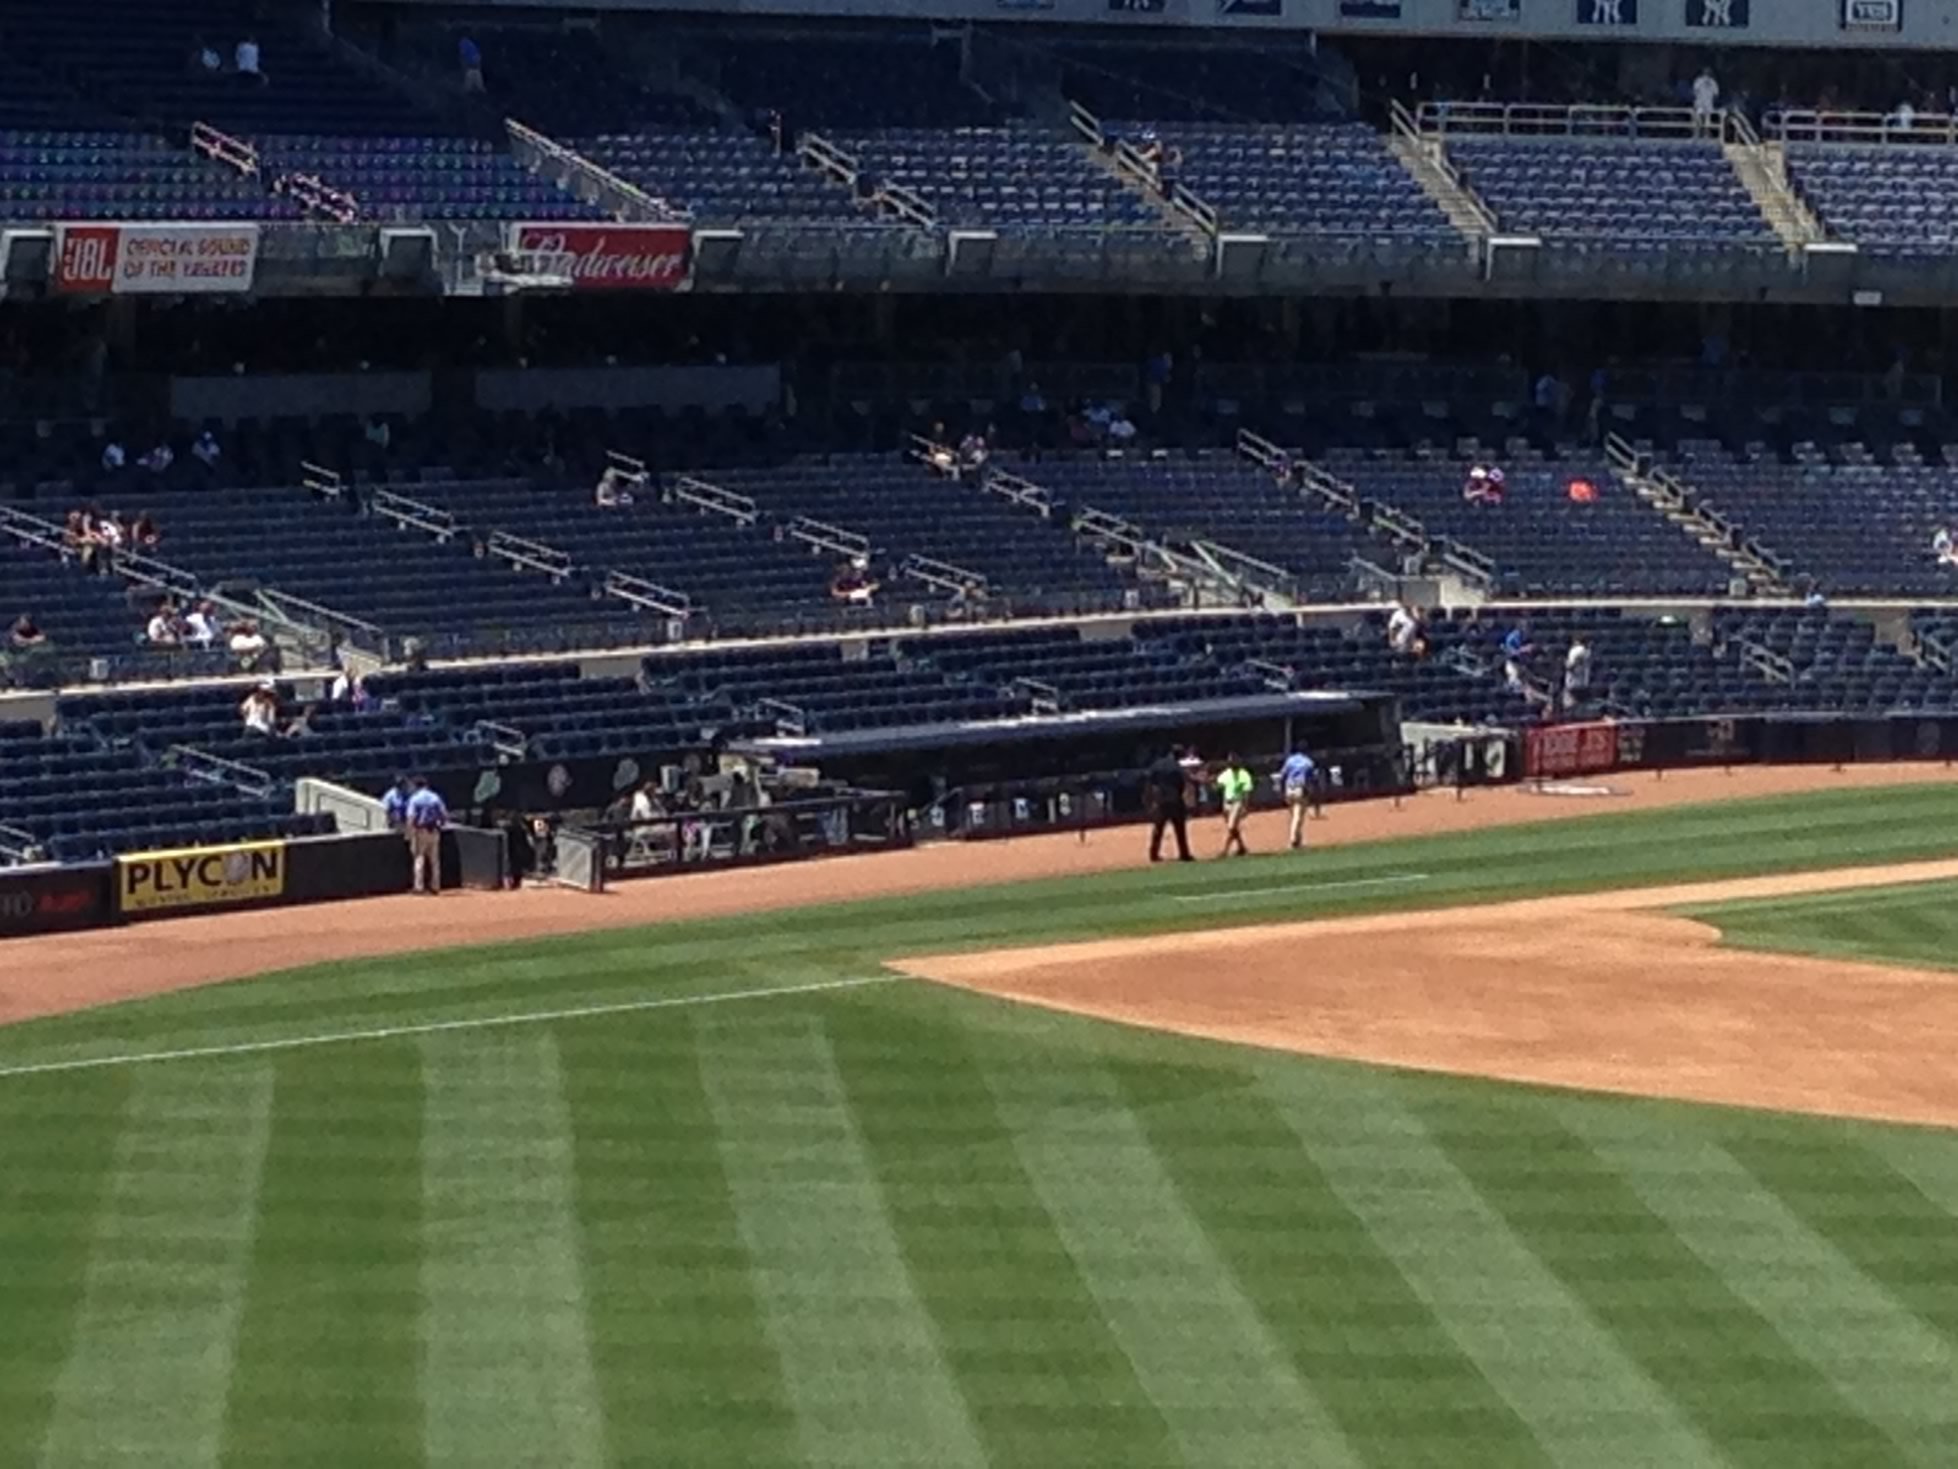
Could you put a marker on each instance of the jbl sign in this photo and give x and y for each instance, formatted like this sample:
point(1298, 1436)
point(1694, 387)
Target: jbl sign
point(87, 261)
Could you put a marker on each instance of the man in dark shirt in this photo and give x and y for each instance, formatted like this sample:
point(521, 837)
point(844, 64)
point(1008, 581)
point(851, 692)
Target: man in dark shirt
point(1164, 788)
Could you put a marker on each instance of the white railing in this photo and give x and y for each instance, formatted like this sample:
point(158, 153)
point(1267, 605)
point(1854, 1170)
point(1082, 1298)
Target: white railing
point(1811, 126)
point(1537, 120)
point(622, 197)
point(223, 148)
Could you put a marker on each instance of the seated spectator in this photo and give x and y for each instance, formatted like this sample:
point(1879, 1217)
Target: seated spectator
point(164, 630)
point(1516, 651)
point(260, 711)
point(1032, 401)
point(159, 459)
point(200, 626)
point(470, 55)
point(1944, 546)
point(301, 724)
point(1484, 486)
point(615, 488)
point(206, 450)
point(1577, 673)
point(377, 433)
point(972, 452)
point(1150, 148)
point(1404, 631)
point(1582, 492)
point(114, 457)
point(244, 60)
point(26, 633)
point(144, 535)
point(204, 58)
point(247, 643)
point(853, 582)
point(1121, 429)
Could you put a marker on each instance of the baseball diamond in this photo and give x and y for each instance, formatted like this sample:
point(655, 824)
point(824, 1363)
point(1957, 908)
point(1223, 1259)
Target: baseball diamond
point(736, 1190)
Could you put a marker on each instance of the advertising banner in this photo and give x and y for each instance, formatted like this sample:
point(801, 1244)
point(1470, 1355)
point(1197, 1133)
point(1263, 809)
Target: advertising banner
point(1872, 15)
point(52, 899)
point(204, 877)
point(1570, 749)
point(156, 259)
point(613, 257)
point(1607, 12)
point(1717, 15)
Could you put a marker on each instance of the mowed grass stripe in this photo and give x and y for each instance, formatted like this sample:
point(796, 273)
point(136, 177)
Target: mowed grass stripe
point(1401, 1389)
point(1537, 1342)
point(685, 1366)
point(329, 1353)
point(149, 1373)
point(1875, 1216)
point(1045, 1378)
point(58, 1147)
point(508, 1375)
point(1871, 1348)
point(1222, 1382)
point(1749, 1392)
point(860, 1354)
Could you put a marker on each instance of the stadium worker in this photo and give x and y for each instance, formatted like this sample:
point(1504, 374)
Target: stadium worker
point(1234, 784)
point(427, 815)
point(1165, 786)
point(1295, 781)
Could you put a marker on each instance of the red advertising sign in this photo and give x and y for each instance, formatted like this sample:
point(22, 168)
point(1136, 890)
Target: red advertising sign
point(612, 257)
point(156, 259)
point(1570, 749)
point(86, 261)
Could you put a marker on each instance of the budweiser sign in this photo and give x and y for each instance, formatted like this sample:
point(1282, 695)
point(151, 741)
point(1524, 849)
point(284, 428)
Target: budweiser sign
point(612, 257)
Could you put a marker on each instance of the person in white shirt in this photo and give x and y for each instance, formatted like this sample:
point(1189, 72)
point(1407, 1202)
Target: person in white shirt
point(245, 61)
point(163, 629)
point(1120, 429)
point(114, 456)
point(200, 628)
point(206, 449)
point(646, 804)
point(1403, 626)
point(247, 642)
point(207, 58)
point(1706, 98)
point(1944, 546)
point(158, 459)
point(260, 710)
point(1905, 117)
point(1577, 672)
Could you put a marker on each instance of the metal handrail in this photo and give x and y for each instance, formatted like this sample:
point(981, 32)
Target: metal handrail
point(321, 480)
point(325, 616)
point(737, 507)
point(222, 147)
point(824, 536)
point(944, 574)
point(521, 551)
point(624, 191)
point(1022, 492)
point(419, 514)
point(1812, 125)
point(649, 595)
point(202, 765)
point(819, 152)
point(1542, 120)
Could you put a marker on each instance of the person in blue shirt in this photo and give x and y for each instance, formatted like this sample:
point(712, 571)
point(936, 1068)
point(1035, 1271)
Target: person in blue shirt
point(394, 805)
point(427, 815)
point(1295, 780)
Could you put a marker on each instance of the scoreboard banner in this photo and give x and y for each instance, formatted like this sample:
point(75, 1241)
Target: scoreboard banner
point(155, 259)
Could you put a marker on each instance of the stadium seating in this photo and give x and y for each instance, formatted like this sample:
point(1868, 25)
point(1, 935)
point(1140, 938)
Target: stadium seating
point(1542, 542)
point(1900, 201)
point(722, 177)
point(1180, 83)
point(1007, 176)
point(410, 177)
point(1620, 195)
point(835, 84)
point(1845, 521)
point(87, 619)
point(1323, 179)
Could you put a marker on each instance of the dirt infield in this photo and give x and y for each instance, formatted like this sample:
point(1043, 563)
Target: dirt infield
point(58, 973)
point(1598, 992)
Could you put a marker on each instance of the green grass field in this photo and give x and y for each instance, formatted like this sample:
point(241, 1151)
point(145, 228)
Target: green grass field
point(732, 1218)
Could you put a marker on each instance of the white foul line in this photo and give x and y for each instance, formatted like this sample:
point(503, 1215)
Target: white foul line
point(1303, 886)
point(438, 1027)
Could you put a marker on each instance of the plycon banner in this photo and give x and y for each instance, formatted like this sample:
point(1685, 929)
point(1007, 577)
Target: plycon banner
point(201, 877)
point(155, 259)
point(612, 257)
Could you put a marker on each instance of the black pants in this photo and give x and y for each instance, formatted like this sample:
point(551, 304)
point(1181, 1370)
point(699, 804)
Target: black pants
point(1175, 815)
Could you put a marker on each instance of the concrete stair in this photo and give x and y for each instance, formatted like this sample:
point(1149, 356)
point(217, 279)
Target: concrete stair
point(1763, 171)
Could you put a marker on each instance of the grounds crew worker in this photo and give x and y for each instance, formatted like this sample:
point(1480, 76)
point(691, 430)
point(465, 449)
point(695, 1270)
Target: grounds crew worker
point(1234, 784)
point(1163, 789)
point(427, 815)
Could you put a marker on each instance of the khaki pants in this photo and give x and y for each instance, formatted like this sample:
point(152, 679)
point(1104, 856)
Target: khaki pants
point(1234, 812)
point(425, 849)
point(1296, 800)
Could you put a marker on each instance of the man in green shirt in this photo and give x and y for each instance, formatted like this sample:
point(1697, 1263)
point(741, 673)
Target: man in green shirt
point(1234, 784)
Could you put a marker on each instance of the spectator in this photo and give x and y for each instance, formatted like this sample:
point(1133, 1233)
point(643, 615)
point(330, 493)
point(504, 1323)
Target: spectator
point(853, 582)
point(377, 433)
point(206, 449)
point(1706, 99)
point(973, 452)
point(394, 805)
point(164, 630)
point(1944, 546)
point(244, 61)
point(646, 803)
point(1905, 117)
point(26, 633)
point(260, 711)
point(1582, 491)
point(1032, 401)
point(615, 488)
point(471, 57)
point(144, 534)
point(302, 723)
point(1484, 486)
point(248, 644)
point(1577, 673)
point(114, 457)
point(204, 58)
point(1121, 430)
point(1156, 373)
point(1404, 631)
point(1516, 651)
point(200, 626)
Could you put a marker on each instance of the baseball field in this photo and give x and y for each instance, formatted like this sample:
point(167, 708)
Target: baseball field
point(1623, 1140)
